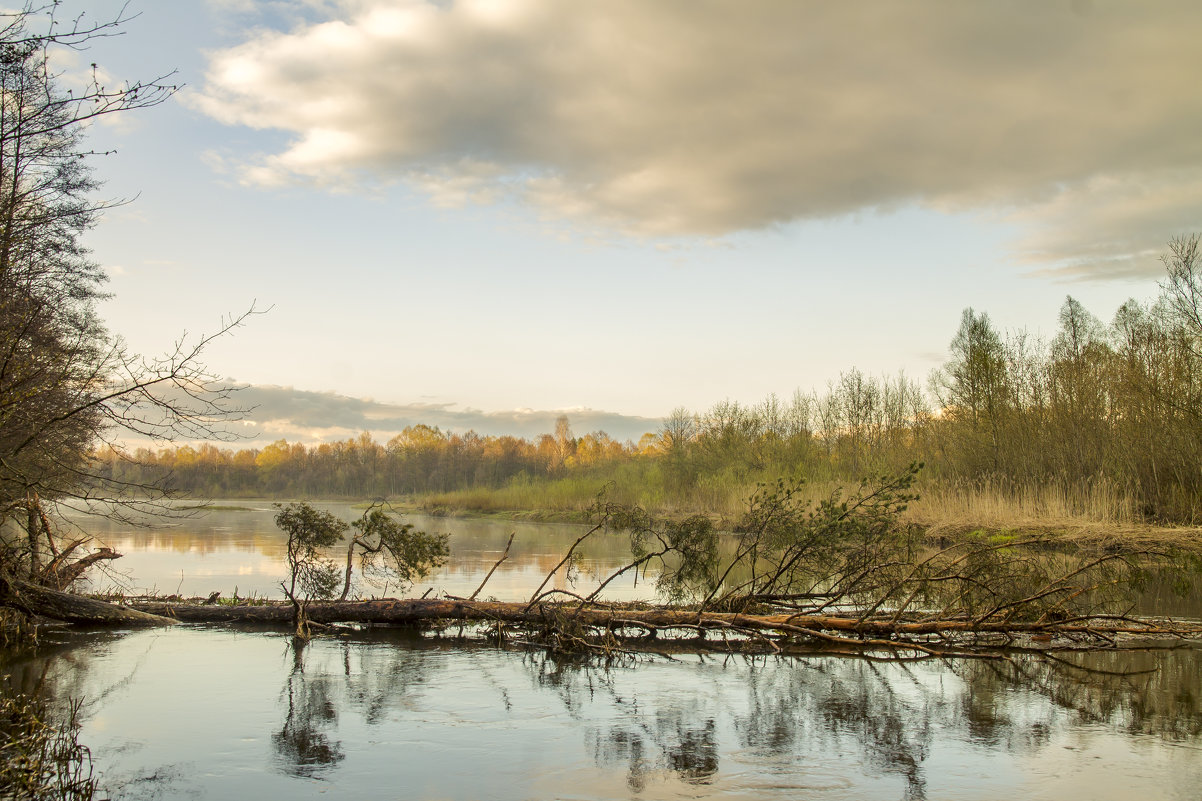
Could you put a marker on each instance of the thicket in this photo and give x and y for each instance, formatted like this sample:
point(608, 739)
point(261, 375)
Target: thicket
point(1107, 418)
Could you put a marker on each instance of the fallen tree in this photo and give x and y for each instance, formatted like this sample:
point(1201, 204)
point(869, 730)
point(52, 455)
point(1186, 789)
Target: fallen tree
point(650, 619)
point(36, 590)
point(843, 572)
point(40, 601)
point(593, 625)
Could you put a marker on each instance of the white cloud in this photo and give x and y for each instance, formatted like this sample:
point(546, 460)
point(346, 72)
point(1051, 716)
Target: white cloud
point(704, 118)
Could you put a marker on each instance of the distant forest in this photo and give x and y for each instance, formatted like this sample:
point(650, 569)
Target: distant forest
point(1100, 410)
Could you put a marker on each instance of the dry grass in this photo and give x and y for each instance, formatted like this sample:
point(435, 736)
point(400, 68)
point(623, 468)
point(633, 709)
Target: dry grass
point(1101, 516)
point(992, 505)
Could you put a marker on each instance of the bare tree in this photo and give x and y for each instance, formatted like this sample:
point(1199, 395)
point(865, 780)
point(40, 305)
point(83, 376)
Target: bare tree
point(68, 385)
point(1183, 289)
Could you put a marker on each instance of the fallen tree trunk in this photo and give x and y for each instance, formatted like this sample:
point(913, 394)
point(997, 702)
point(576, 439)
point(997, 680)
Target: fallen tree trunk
point(601, 627)
point(649, 619)
point(70, 608)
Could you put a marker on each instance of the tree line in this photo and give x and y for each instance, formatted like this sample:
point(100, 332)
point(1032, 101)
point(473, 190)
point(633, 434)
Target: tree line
point(420, 459)
point(1111, 409)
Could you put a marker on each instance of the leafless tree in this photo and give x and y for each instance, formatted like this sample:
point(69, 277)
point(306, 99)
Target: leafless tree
point(67, 384)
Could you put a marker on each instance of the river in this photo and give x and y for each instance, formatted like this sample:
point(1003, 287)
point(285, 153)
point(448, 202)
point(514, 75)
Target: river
point(219, 713)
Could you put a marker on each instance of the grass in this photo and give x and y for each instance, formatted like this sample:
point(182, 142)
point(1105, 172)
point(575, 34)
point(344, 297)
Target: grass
point(40, 753)
point(989, 504)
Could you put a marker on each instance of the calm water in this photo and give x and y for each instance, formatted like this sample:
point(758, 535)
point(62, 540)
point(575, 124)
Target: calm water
point(228, 550)
point(218, 713)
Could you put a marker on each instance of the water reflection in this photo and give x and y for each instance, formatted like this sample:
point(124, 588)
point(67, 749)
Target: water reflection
point(889, 717)
point(217, 713)
point(672, 741)
point(303, 745)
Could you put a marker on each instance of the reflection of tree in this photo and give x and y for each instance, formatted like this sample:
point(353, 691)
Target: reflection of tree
point(678, 740)
point(645, 740)
point(1139, 692)
point(693, 754)
point(54, 676)
point(380, 672)
point(885, 718)
point(689, 722)
point(805, 707)
point(302, 744)
point(366, 673)
point(894, 732)
point(893, 711)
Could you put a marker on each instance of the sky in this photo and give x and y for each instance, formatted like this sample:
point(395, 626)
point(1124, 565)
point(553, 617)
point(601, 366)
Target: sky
point(486, 213)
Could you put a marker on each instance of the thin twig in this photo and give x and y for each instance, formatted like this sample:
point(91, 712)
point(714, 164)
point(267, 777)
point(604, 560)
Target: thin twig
point(504, 556)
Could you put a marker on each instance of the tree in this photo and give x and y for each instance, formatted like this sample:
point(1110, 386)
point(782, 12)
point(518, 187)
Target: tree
point(397, 551)
point(1182, 290)
point(67, 385)
point(972, 386)
point(310, 573)
point(972, 381)
point(1079, 392)
point(563, 446)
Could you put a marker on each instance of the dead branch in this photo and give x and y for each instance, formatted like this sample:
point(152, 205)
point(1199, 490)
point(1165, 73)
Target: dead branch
point(566, 558)
point(77, 568)
point(504, 556)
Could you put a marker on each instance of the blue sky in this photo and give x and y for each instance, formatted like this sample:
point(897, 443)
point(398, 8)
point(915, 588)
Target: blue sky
point(626, 207)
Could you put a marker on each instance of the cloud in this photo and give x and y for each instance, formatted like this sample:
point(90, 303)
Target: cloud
point(1112, 226)
point(706, 117)
point(309, 417)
